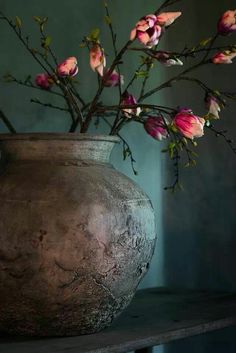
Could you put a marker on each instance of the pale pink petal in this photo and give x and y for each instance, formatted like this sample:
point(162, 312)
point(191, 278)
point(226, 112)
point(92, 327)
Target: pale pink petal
point(133, 34)
point(143, 37)
point(167, 18)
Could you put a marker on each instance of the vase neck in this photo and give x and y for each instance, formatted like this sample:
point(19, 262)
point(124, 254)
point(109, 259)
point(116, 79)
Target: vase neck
point(58, 147)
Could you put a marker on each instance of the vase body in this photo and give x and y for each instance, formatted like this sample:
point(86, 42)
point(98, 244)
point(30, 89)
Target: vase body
point(76, 235)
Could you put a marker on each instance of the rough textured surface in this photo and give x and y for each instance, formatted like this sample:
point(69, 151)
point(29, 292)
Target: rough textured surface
point(76, 236)
point(155, 316)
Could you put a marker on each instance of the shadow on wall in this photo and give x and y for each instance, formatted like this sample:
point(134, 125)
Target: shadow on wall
point(199, 223)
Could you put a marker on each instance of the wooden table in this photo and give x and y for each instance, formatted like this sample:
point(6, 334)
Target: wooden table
point(154, 317)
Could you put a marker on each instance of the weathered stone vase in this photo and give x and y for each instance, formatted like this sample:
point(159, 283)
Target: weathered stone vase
point(76, 236)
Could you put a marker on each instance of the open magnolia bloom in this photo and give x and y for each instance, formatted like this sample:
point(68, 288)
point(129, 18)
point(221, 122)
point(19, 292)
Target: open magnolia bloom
point(147, 31)
point(68, 67)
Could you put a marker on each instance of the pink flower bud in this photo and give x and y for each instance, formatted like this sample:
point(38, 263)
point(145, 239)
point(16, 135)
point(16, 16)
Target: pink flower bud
point(165, 59)
point(68, 67)
point(167, 18)
point(213, 106)
point(147, 31)
point(188, 124)
point(223, 57)
point(227, 23)
point(44, 81)
point(129, 99)
point(113, 79)
point(155, 127)
point(97, 59)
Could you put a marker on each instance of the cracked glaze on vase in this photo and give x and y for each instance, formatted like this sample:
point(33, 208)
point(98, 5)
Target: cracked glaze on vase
point(76, 235)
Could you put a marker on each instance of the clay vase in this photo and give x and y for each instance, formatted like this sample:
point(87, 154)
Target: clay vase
point(76, 235)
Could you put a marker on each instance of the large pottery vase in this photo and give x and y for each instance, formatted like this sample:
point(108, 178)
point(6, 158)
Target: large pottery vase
point(76, 235)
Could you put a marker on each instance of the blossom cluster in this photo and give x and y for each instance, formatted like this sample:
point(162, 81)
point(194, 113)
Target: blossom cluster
point(180, 125)
point(148, 31)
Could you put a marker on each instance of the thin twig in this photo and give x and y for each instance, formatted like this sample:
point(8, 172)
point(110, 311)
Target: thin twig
point(171, 80)
point(100, 89)
point(165, 4)
point(222, 133)
point(7, 122)
point(49, 105)
point(126, 148)
point(29, 84)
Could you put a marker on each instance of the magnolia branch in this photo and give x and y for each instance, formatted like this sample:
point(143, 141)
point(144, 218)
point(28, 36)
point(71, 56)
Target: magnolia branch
point(127, 152)
point(169, 82)
point(48, 105)
point(165, 4)
point(29, 84)
point(223, 135)
point(101, 87)
point(184, 54)
point(7, 122)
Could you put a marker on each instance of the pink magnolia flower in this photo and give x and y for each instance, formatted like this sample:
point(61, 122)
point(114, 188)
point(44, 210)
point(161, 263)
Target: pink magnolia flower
point(68, 67)
point(188, 124)
point(97, 59)
point(44, 81)
point(113, 79)
point(147, 31)
point(129, 99)
point(227, 22)
point(155, 127)
point(223, 57)
point(213, 106)
point(165, 59)
point(167, 18)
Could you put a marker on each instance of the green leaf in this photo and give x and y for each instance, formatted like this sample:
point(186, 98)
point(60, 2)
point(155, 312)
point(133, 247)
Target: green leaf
point(204, 42)
point(193, 153)
point(173, 128)
point(172, 145)
point(18, 22)
point(27, 79)
point(43, 22)
point(37, 19)
point(216, 93)
point(46, 42)
point(141, 74)
point(8, 78)
point(107, 20)
point(126, 153)
point(94, 35)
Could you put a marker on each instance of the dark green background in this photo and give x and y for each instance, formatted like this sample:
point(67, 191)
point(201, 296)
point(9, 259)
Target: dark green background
point(196, 227)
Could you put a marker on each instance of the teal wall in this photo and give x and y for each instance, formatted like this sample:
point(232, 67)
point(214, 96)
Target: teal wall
point(196, 227)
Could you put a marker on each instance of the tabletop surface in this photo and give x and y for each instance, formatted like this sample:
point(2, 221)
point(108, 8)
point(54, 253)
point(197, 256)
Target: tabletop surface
point(155, 316)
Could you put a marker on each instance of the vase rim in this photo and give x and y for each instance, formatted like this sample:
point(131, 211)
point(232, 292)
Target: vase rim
point(59, 136)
